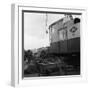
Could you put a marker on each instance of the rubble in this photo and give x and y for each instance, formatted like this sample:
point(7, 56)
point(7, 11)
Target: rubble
point(48, 65)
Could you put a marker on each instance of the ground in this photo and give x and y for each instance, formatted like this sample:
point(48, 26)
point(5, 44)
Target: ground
point(53, 65)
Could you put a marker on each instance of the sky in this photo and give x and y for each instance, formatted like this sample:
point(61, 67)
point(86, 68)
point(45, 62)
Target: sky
point(35, 29)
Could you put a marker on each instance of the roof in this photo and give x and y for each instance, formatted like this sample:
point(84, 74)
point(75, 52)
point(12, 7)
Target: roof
point(60, 20)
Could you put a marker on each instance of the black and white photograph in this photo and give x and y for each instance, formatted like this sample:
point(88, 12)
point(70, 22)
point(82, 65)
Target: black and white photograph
point(50, 43)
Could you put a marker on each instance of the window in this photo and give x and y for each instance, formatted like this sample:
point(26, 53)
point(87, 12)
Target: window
point(62, 35)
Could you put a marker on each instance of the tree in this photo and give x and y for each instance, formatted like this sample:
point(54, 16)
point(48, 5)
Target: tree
point(28, 55)
point(43, 54)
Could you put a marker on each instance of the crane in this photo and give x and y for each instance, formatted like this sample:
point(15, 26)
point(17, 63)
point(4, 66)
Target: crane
point(46, 23)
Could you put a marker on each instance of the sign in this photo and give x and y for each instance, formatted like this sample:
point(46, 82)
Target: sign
point(73, 30)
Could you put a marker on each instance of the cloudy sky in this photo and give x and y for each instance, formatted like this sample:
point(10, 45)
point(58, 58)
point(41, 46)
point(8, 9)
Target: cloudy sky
point(35, 29)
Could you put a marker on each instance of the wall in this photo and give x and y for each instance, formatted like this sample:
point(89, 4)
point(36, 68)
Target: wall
point(5, 42)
